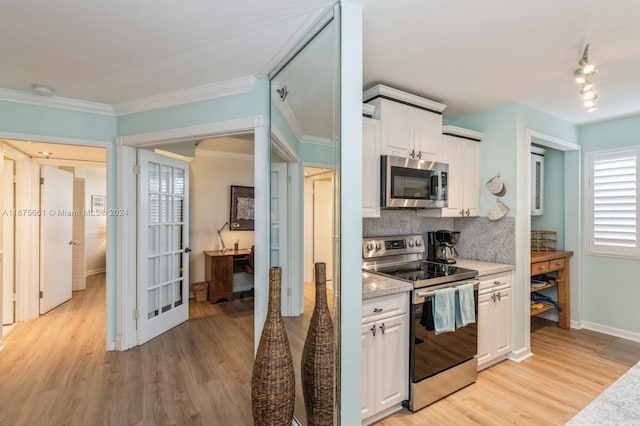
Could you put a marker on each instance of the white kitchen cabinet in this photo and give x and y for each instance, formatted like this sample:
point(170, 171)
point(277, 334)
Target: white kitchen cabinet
point(537, 181)
point(370, 167)
point(461, 149)
point(495, 316)
point(410, 126)
point(385, 356)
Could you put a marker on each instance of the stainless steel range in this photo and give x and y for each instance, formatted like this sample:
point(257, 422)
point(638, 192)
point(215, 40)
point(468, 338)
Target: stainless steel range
point(439, 364)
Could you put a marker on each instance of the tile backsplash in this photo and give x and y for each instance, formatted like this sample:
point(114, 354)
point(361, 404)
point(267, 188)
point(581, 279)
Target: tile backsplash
point(480, 238)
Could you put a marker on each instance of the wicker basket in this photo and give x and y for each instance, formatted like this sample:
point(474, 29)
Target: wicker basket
point(318, 358)
point(273, 381)
point(200, 291)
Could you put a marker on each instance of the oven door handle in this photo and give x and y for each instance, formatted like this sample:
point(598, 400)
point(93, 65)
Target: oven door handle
point(421, 294)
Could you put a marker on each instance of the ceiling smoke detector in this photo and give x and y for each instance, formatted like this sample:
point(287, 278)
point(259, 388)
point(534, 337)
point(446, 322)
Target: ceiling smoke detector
point(41, 90)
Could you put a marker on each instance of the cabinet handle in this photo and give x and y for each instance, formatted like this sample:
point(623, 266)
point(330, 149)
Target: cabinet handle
point(373, 330)
point(493, 297)
point(468, 212)
point(499, 296)
point(382, 328)
point(377, 310)
point(462, 212)
point(419, 155)
point(413, 153)
point(496, 283)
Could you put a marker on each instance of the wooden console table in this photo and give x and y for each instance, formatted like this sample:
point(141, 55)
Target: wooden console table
point(554, 261)
point(219, 268)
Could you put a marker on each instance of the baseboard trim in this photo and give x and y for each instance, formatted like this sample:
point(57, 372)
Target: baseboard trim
point(382, 414)
point(95, 271)
point(576, 324)
point(612, 331)
point(520, 355)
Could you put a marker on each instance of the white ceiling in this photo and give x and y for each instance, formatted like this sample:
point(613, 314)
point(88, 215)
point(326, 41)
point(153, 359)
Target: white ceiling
point(59, 152)
point(470, 55)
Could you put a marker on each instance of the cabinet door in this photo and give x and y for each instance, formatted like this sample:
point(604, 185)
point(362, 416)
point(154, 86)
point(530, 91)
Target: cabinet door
point(393, 360)
point(370, 167)
point(369, 372)
point(485, 328)
point(427, 134)
point(503, 319)
point(471, 175)
point(395, 125)
point(452, 155)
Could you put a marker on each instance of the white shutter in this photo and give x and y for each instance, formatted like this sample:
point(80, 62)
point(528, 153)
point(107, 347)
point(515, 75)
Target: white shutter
point(613, 218)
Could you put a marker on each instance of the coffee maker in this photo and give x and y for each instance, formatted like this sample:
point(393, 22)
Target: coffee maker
point(441, 246)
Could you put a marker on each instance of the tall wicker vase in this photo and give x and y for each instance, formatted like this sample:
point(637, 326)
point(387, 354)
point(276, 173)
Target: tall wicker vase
point(318, 362)
point(273, 381)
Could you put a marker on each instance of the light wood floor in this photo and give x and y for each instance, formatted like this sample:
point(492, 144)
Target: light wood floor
point(55, 371)
point(563, 376)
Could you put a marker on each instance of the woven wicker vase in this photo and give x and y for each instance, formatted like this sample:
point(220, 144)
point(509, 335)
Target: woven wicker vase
point(318, 358)
point(273, 381)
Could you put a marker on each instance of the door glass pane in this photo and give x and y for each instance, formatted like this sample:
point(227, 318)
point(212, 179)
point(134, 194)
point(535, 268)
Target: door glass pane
point(166, 179)
point(154, 208)
point(154, 177)
point(178, 177)
point(153, 303)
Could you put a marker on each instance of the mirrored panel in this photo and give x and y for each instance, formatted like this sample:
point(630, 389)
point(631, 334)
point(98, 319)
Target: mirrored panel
point(304, 201)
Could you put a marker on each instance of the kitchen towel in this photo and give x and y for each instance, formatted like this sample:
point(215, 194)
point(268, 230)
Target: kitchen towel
point(427, 315)
point(465, 305)
point(444, 310)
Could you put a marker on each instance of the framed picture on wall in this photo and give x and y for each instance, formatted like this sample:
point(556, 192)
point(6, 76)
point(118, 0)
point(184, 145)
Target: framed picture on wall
point(242, 214)
point(98, 203)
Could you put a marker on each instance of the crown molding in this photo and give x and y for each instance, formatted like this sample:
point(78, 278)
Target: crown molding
point(181, 97)
point(316, 140)
point(55, 102)
point(380, 90)
point(462, 132)
point(368, 110)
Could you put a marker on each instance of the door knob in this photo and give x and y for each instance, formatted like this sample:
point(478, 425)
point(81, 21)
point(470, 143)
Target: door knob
point(187, 250)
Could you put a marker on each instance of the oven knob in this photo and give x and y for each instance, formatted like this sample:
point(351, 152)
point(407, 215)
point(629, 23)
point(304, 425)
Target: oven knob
point(410, 243)
point(378, 246)
point(369, 246)
point(418, 243)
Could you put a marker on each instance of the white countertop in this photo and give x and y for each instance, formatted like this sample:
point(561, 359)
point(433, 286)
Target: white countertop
point(484, 268)
point(374, 285)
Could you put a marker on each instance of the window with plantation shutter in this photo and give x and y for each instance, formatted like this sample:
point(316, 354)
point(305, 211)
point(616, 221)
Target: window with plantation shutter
point(612, 203)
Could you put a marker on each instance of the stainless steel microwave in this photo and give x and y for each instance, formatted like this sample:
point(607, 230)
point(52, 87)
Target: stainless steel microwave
point(412, 183)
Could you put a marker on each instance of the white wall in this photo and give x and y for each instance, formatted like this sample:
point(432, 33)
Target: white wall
point(95, 226)
point(211, 177)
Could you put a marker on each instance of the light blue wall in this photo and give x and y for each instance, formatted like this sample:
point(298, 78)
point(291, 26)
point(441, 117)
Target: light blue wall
point(499, 133)
point(610, 286)
point(40, 120)
point(317, 155)
point(552, 218)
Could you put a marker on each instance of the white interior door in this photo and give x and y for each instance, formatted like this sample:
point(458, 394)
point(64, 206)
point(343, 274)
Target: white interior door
point(8, 229)
point(163, 244)
point(279, 235)
point(78, 255)
point(323, 224)
point(56, 237)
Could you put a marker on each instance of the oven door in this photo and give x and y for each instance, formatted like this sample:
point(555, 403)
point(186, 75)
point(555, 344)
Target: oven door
point(430, 353)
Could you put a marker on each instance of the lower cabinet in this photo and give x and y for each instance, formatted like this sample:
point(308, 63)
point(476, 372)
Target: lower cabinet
point(495, 318)
point(385, 356)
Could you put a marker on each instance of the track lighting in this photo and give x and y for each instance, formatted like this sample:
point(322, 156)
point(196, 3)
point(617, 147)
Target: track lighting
point(582, 76)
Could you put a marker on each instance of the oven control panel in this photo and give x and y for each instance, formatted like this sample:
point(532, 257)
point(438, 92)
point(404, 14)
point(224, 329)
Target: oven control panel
point(392, 246)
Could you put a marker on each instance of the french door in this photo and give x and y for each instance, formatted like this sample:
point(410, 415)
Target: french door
point(163, 244)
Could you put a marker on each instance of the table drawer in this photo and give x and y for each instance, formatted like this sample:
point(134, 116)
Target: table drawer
point(539, 268)
point(556, 264)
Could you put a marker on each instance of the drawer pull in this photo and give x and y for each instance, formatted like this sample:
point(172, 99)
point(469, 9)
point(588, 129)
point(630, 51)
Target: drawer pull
point(496, 283)
point(377, 310)
point(382, 328)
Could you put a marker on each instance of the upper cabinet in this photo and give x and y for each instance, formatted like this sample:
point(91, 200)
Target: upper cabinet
point(370, 163)
point(461, 150)
point(410, 126)
point(537, 181)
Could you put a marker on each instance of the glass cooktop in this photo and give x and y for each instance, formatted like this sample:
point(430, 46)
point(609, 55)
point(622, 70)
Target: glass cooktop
point(431, 273)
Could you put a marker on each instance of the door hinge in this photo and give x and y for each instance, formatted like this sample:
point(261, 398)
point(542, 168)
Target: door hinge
point(136, 314)
point(136, 169)
point(41, 181)
point(41, 294)
point(14, 297)
point(15, 179)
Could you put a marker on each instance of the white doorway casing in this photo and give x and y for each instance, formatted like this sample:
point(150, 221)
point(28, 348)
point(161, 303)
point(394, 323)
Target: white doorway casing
point(126, 152)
